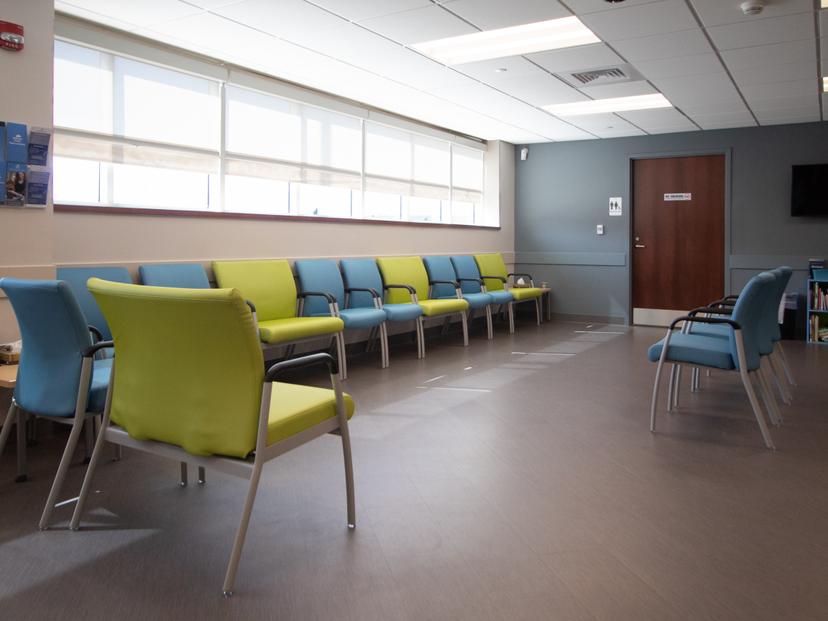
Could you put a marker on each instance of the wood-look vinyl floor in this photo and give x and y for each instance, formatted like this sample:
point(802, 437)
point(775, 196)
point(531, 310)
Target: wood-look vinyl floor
point(515, 479)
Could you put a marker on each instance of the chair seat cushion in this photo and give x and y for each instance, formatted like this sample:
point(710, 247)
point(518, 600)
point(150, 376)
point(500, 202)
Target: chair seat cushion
point(294, 408)
point(362, 317)
point(402, 312)
point(100, 382)
point(443, 307)
point(525, 293)
point(722, 331)
point(478, 300)
point(501, 297)
point(708, 351)
point(294, 328)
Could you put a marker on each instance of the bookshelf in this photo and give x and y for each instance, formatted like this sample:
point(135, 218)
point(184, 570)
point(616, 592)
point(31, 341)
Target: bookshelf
point(818, 310)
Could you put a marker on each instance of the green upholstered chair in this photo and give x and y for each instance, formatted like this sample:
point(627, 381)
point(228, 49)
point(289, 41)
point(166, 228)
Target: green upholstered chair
point(270, 287)
point(405, 280)
point(495, 275)
point(189, 383)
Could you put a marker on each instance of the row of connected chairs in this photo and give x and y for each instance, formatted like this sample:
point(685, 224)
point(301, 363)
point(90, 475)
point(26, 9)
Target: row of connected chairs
point(334, 297)
point(738, 333)
point(188, 383)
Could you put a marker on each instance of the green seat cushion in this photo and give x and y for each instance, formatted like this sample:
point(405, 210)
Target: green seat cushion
point(294, 409)
point(443, 307)
point(525, 293)
point(268, 284)
point(294, 328)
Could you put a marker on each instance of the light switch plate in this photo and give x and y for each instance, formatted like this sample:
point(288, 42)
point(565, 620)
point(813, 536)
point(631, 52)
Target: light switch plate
point(599, 229)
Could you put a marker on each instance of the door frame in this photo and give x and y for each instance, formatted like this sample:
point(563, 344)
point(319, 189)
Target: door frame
point(630, 187)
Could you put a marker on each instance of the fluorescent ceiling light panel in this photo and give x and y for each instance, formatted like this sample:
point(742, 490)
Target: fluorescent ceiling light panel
point(825, 4)
point(513, 41)
point(825, 80)
point(614, 104)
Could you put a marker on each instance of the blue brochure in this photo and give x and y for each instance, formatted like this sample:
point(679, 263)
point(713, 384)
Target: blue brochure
point(15, 184)
point(17, 142)
point(37, 188)
point(39, 146)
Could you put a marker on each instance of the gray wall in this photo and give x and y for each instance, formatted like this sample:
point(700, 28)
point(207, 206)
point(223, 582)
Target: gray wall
point(562, 192)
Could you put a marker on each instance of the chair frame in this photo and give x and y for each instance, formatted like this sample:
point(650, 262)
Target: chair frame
point(250, 469)
point(744, 374)
point(537, 300)
point(489, 327)
point(382, 329)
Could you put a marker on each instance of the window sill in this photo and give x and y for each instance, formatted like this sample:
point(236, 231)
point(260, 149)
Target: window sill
point(223, 215)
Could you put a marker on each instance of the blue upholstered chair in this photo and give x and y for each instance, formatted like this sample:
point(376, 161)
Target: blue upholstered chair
point(76, 278)
point(444, 283)
point(59, 378)
point(323, 276)
point(180, 275)
point(363, 280)
point(740, 351)
point(468, 275)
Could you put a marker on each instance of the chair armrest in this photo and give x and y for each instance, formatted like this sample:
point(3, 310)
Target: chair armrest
point(695, 319)
point(251, 306)
point(321, 294)
point(529, 276)
point(409, 288)
point(95, 333)
point(90, 351)
point(373, 292)
point(303, 361)
point(714, 308)
point(500, 278)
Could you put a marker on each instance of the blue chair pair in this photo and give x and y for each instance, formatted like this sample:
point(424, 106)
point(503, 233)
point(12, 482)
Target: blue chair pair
point(443, 272)
point(726, 338)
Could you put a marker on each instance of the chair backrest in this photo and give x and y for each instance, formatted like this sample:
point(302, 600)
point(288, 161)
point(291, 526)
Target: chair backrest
point(750, 312)
point(440, 268)
point(320, 275)
point(466, 267)
point(186, 275)
point(492, 264)
point(783, 277)
point(54, 333)
point(404, 271)
point(76, 278)
point(365, 274)
point(268, 284)
point(189, 367)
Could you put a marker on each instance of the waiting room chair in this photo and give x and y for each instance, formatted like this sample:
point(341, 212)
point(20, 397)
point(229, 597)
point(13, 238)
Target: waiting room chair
point(182, 275)
point(76, 278)
point(184, 392)
point(364, 286)
point(494, 273)
point(270, 287)
point(59, 378)
point(445, 283)
point(405, 279)
point(468, 275)
point(324, 275)
point(740, 351)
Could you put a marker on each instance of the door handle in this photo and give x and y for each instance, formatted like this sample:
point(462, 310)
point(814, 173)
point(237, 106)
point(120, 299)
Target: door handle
point(640, 246)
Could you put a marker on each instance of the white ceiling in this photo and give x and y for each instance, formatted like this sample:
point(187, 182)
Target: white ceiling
point(718, 67)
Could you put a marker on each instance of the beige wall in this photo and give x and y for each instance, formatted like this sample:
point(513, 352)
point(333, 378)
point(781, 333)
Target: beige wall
point(26, 236)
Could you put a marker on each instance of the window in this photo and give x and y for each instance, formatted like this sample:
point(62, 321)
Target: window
point(141, 135)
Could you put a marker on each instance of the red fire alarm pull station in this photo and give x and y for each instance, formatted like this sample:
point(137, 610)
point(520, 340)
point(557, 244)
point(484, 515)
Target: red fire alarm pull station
point(11, 36)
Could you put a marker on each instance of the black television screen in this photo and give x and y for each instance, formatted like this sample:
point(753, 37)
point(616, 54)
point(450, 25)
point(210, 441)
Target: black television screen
point(809, 190)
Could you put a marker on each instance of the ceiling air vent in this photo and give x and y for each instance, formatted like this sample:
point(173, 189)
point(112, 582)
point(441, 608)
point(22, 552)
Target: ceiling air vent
point(597, 76)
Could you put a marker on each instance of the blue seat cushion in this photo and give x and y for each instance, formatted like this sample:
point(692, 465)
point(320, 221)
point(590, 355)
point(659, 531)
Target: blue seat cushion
point(402, 312)
point(501, 297)
point(708, 351)
point(100, 382)
point(362, 317)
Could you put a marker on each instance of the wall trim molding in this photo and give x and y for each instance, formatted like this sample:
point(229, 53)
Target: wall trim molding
point(606, 259)
point(769, 261)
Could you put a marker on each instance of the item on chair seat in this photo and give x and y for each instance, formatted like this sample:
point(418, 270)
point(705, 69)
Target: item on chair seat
point(495, 276)
point(58, 377)
point(196, 395)
point(76, 278)
point(405, 279)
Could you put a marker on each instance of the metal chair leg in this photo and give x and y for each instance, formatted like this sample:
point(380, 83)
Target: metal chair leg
point(511, 310)
point(88, 438)
point(757, 411)
point(778, 378)
point(767, 396)
point(783, 358)
point(57, 484)
point(22, 466)
point(538, 309)
point(183, 481)
point(654, 401)
point(465, 328)
point(202, 478)
point(7, 425)
point(383, 336)
point(340, 354)
point(420, 339)
point(489, 328)
point(671, 384)
point(238, 543)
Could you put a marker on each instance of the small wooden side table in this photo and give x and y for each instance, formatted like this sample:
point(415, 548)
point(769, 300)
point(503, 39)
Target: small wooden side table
point(546, 297)
point(8, 375)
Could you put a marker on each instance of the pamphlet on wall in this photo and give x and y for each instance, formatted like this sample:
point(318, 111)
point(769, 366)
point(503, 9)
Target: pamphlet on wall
point(17, 142)
point(39, 138)
point(15, 193)
point(37, 187)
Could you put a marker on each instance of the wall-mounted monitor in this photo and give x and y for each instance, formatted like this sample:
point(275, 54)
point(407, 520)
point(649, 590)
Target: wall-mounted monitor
point(809, 190)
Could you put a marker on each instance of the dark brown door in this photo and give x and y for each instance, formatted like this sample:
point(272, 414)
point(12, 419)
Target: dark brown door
point(678, 232)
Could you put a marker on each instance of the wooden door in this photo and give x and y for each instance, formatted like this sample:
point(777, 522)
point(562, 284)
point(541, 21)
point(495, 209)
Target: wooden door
point(678, 235)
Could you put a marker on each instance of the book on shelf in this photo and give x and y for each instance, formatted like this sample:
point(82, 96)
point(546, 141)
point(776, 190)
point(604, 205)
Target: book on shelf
point(819, 298)
point(819, 330)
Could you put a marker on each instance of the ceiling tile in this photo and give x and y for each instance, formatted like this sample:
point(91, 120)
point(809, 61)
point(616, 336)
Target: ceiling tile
point(542, 91)
point(716, 12)
point(487, 70)
point(762, 56)
point(632, 22)
point(659, 120)
point(142, 13)
point(671, 45)
point(763, 31)
point(719, 120)
point(623, 89)
point(793, 115)
point(358, 10)
point(419, 25)
point(776, 73)
point(574, 58)
point(706, 88)
point(593, 6)
point(781, 90)
point(679, 66)
point(492, 14)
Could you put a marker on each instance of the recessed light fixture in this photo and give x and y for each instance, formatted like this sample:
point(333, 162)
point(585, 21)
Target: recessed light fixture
point(501, 70)
point(614, 104)
point(825, 80)
point(552, 34)
point(824, 4)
